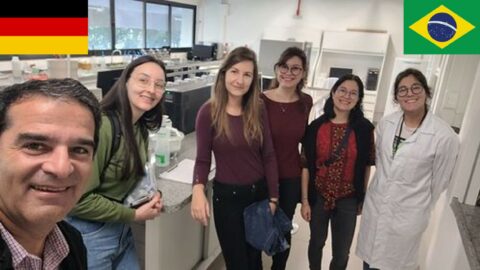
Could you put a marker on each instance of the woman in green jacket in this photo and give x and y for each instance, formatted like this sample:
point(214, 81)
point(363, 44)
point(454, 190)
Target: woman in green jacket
point(100, 215)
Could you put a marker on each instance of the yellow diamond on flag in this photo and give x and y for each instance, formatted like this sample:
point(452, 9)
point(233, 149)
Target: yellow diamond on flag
point(442, 26)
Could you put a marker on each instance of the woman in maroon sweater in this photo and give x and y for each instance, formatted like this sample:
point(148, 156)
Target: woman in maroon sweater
point(288, 109)
point(233, 125)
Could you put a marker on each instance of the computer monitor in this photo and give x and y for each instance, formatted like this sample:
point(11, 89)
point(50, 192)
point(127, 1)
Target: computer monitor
point(202, 52)
point(339, 72)
point(106, 79)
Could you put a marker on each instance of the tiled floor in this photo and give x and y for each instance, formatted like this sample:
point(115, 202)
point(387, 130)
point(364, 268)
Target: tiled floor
point(298, 254)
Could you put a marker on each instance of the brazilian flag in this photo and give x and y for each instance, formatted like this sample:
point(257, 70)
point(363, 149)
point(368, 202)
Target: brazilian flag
point(441, 27)
point(44, 27)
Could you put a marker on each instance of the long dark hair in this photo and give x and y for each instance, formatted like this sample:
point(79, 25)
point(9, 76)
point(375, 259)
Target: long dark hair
point(117, 101)
point(356, 113)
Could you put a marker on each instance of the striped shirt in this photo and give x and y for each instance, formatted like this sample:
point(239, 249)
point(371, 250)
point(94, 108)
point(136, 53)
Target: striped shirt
point(55, 250)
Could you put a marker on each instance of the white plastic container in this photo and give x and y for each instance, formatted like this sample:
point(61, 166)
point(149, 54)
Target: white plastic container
point(58, 68)
point(16, 67)
point(162, 148)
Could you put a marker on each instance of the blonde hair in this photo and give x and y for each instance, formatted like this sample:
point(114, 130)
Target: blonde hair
point(251, 103)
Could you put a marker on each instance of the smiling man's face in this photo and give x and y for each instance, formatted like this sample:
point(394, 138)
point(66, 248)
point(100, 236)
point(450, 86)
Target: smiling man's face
point(45, 161)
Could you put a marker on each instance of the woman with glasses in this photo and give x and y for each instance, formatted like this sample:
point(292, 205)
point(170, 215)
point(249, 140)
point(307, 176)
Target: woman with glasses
point(136, 100)
point(415, 157)
point(288, 107)
point(339, 150)
point(233, 125)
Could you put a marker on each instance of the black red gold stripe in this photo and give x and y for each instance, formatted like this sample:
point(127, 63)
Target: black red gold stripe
point(43, 44)
point(45, 9)
point(43, 26)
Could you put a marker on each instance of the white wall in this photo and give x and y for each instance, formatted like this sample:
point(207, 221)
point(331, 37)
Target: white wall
point(455, 87)
point(245, 22)
point(446, 250)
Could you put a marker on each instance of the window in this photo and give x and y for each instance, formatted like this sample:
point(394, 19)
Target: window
point(129, 24)
point(157, 26)
point(140, 24)
point(99, 30)
point(182, 27)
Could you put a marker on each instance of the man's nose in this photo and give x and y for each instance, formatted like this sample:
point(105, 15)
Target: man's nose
point(59, 163)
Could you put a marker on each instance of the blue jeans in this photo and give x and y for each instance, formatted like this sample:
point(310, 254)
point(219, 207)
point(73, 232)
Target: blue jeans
point(343, 219)
point(110, 245)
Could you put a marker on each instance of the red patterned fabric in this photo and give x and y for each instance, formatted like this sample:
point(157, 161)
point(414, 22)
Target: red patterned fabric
point(335, 181)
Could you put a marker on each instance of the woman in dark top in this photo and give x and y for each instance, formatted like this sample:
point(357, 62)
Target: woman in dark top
point(339, 148)
point(288, 109)
point(233, 124)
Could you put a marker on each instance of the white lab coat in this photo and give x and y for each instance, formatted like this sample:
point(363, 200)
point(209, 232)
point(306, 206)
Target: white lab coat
point(404, 190)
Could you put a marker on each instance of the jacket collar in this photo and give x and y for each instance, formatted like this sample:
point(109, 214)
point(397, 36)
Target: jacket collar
point(5, 255)
point(427, 126)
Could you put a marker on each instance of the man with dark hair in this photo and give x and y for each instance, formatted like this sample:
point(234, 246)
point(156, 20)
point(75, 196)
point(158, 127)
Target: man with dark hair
point(48, 135)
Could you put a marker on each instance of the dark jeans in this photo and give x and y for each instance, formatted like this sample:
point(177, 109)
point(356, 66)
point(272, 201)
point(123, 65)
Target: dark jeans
point(366, 266)
point(290, 193)
point(229, 201)
point(343, 219)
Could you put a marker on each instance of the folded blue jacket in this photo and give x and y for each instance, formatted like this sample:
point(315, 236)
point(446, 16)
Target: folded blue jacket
point(265, 231)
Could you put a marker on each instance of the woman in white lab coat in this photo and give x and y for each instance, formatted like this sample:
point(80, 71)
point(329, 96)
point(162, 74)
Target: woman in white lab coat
point(415, 156)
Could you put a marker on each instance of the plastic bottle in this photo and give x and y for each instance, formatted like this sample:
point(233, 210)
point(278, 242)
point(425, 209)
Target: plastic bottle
point(166, 121)
point(103, 65)
point(16, 68)
point(162, 148)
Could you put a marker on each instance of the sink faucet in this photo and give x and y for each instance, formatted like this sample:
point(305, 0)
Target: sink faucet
point(113, 53)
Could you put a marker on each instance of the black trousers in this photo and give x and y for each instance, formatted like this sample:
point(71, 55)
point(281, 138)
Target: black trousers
point(229, 201)
point(290, 194)
point(343, 219)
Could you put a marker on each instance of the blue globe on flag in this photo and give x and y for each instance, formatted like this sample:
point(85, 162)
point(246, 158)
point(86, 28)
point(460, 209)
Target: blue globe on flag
point(442, 27)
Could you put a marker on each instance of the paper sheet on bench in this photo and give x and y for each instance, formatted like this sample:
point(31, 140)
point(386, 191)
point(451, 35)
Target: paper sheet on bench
point(183, 172)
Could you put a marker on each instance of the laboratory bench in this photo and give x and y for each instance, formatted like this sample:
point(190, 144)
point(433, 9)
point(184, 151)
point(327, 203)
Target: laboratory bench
point(174, 240)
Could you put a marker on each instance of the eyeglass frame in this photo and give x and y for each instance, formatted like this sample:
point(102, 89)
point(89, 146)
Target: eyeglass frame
point(404, 89)
point(343, 93)
point(144, 82)
point(284, 69)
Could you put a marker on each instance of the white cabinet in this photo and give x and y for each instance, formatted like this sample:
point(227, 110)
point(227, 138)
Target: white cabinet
point(362, 53)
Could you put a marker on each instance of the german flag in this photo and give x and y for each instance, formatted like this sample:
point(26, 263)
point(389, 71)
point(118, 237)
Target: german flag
point(44, 27)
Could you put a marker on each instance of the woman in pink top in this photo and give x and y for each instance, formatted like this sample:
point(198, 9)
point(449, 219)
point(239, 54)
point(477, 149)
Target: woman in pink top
point(233, 125)
point(288, 109)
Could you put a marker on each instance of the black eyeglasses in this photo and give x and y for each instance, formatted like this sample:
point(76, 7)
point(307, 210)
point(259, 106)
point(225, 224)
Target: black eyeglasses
point(416, 89)
point(284, 69)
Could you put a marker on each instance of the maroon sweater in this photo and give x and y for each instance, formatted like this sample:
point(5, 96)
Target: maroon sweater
point(237, 162)
point(288, 122)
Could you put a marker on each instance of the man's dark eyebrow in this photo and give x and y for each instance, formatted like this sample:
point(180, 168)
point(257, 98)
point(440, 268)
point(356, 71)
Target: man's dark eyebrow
point(31, 137)
point(42, 138)
point(86, 142)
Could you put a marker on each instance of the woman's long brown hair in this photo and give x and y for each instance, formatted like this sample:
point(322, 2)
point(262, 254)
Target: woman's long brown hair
point(251, 103)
